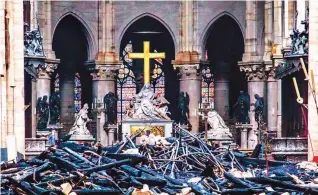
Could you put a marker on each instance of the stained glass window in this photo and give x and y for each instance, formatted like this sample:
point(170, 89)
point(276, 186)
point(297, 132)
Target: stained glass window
point(126, 85)
point(207, 86)
point(158, 78)
point(77, 91)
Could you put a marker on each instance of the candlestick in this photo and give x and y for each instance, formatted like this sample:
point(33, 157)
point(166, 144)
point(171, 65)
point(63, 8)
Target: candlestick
point(313, 85)
point(299, 99)
point(304, 68)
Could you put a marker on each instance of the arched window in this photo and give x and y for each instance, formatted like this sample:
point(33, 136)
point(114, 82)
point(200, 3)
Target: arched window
point(158, 78)
point(126, 84)
point(77, 91)
point(207, 86)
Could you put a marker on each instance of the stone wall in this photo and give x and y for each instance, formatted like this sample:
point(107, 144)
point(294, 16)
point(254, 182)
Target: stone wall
point(168, 13)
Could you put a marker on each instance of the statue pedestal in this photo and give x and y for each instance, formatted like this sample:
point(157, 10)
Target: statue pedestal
point(222, 139)
point(81, 139)
point(110, 130)
point(243, 130)
point(157, 127)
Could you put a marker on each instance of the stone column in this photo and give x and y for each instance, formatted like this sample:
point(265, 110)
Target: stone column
point(272, 96)
point(190, 82)
point(67, 98)
point(103, 83)
point(221, 89)
point(278, 26)
point(268, 30)
point(251, 53)
point(244, 138)
point(2, 73)
point(15, 77)
point(301, 9)
point(33, 107)
point(43, 84)
point(187, 58)
point(313, 65)
point(272, 87)
point(256, 78)
point(45, 18)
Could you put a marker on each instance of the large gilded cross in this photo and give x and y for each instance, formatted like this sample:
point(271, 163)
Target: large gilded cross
point(146, 55)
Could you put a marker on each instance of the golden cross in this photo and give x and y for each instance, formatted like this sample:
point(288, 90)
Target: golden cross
point(146, 55)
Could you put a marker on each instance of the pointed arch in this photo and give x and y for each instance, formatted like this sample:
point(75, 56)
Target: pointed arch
point(141, 16)
point(207, 29)
point(91, 50)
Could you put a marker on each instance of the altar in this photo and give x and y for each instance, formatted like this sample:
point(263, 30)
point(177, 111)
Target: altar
point(156, 127)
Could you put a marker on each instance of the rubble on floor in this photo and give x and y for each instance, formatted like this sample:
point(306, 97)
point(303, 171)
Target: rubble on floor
point(178, 165)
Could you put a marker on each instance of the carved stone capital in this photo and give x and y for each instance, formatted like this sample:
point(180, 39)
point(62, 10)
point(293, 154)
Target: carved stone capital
point(39, 67)
point(104, 72)
point(188, 71)
point(254, 71)
point(270, 73)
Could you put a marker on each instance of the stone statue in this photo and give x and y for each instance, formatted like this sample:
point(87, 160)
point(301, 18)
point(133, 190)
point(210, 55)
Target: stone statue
point(79, 127)
point(259, 108)
point(43, 113)
point(242, 108)
point(54, 108)
point(218, 128)
point(183, 106)
point(300, 39)
point(33, 43)
point(149, 106)
point(110, 101)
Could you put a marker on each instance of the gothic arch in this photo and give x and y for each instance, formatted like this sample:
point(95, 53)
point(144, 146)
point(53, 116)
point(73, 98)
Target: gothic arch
point(86, 29)
point(139, 17)
point(207, 29)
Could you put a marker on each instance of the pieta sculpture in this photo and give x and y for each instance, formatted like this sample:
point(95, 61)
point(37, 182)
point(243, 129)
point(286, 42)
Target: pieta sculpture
point(218, 128)
point(149, 106)
point(79, 126)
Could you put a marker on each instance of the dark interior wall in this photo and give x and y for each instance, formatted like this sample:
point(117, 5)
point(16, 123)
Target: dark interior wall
point(226, 43)
point(71, 47)
point(160, 40)
point(293, 116)
point(27, 101)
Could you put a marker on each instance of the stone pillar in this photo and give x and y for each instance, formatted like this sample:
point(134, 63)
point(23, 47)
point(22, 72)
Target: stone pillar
point(103, 83)
point(251, 53)
point(313, 65)
point(187, 58)
point(272, 87)
point(67, 98)
point(279, 108)
point(15, 77)
point(272, 96)
point(45, 18)
point(244, 138)
point(43, 84)
point(190, 82)
point(278, 27)
point(33, 107)
point(2, 80)
point(221, 89)
point(268, 30)
point(301, 9)
point(33, 13)
point(256, 78)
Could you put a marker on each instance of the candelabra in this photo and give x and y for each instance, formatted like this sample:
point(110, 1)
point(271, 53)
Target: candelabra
point(98, 106)
point(204, 109)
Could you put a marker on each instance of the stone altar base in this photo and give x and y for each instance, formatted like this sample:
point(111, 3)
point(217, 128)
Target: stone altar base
point(294, 149)
point(81, 139)
point(223, 140)
point(130, 127)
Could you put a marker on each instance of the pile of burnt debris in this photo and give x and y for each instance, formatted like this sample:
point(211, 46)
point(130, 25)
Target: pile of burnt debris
point(184, 164)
